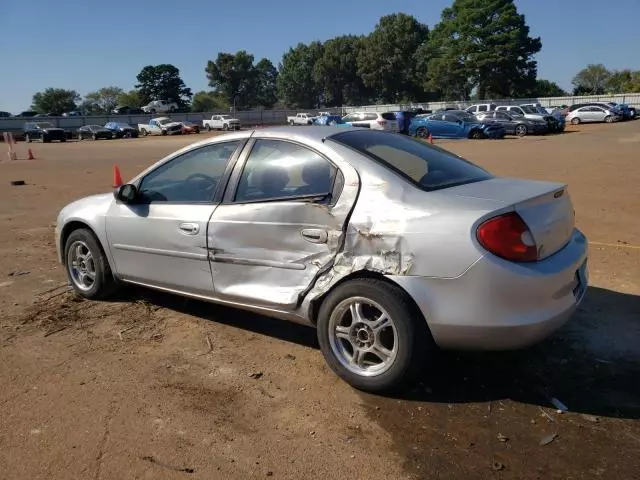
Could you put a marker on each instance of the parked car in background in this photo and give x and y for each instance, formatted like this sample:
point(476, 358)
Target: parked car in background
point(160, 106)
point(558, 115)
point(5, 115)
point(444, 255)
point(124, 110)
point(221, 122)
point(593, 113)
point(328, 119)
point(621, 109)
point(73, 113)
point(190, 127)
point(404, 120)
point(515, 124)
point(122, 130)
point(374, 120)
point(301, 119)
point(95, 132)
point(632, 111)
point(454, 124)
point(27, 114)
point(532, 113)
point(481, 107)
point(43, 131)
point(160, 126)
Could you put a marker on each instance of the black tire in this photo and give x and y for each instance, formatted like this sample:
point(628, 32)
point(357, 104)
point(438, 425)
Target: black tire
point(104, 284)
point(208, 128)
point(608, 119)
point(412, 333)
point(63, 140)
point(225, 127)
point(94, 137)
point(27, 138)
point(422, 132)
point(291, 123)
point(476, 134)
point(521, 130)
point(144, 132)
point(575, 121)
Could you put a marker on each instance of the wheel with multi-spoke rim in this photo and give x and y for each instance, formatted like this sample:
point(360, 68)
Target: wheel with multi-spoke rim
point(422, 132)
point(521, 130)
point(575, 121)
point(87, 266)
point(370, 334)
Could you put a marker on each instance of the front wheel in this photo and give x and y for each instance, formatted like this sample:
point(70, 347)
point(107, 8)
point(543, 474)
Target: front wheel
point(608, 119)
point(27, 138)
point(87, 266)
point(476, 134)
point(575, 121)
point(225, 127)
point(370, 335)
point(291, 123)
point(144, 132)
point(422, 132)
point(208, 128)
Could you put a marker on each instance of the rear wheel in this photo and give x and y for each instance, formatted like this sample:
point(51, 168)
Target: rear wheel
point(608, 119)
point(575, 121)
point(144, 132)
point(87, 266)
point(476, 134)
point(94, 137)
point(370, 334)
point(521, 130)
point(27, 138)
point(225, 127)
point(422, 132)
point(208, 128)
point(291, 123)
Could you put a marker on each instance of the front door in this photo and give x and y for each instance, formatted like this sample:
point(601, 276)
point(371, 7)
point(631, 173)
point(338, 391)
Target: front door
point(161, 240)
point(281, 225)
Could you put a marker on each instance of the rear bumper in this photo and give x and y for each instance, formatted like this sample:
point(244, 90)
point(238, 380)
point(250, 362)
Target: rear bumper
point(500, 305)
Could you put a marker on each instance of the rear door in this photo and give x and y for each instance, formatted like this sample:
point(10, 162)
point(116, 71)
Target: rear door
point(281, 223)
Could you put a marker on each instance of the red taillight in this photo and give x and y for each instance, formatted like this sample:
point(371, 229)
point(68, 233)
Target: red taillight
point(382, 122)
point(507, 236)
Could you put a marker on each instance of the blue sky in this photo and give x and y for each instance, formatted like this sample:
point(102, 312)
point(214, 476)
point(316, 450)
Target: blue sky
point(85, 45)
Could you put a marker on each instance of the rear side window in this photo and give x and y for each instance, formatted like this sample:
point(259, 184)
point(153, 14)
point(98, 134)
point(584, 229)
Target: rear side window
point(426, 166)
point(388, 116)
point(482, 108)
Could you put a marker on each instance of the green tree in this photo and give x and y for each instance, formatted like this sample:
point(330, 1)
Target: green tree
point(387, 60)
point(209, 102)
point(624, 81)
point(55, 100)
point(162, 82)
point(482, 44)
point(233, 75)
point(266, 83)
point(336, 72)
point(105, 99)
point(130, 99)
point(297, 86)
point(591, 80)
point(546, 88)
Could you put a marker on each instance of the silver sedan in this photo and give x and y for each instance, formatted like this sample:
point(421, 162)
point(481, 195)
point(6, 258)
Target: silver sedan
point(390, 246)
point(592, 113)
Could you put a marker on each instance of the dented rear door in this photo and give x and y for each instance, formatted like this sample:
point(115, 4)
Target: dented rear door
point(274, 233)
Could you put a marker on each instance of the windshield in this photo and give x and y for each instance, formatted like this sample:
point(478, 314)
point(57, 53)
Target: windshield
point(529, 109)
point(426, 166)
point(224, 117)
point(164, 121)
point(44, 125)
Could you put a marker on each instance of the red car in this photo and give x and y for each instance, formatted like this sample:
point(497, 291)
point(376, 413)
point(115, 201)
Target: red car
point(190, 127)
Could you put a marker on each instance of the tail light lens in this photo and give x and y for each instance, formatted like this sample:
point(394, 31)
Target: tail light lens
point(508, 237)
point(382, 122)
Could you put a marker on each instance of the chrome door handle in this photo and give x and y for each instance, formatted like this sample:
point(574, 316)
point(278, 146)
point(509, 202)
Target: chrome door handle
point(314, 235)
point(189, 228)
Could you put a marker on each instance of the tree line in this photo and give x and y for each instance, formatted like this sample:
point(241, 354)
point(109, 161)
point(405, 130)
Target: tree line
point(480, 49)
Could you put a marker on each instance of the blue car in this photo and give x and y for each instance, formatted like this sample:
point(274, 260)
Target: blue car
point(327, 120)
point(454, 124)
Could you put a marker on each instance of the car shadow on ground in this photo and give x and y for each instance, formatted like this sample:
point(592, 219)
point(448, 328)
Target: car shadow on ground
point(556, 368)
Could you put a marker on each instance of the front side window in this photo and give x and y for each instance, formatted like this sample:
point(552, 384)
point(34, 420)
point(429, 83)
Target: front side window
point(426, 166)
point(277, 169)
point(189, 178)
point(482, 108)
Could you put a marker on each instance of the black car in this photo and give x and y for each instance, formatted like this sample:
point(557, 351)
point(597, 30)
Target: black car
point(122, 130)
point(95, 132)
point(124, 110)
point(5, 114)
point(516, 124)
point(43, 131)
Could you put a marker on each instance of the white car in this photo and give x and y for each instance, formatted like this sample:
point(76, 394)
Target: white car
point(592, 113)
point(221, 122)
point(373, 120)
point(301, 119)
point(481, 107)
point(160, 106)
point(160, 126)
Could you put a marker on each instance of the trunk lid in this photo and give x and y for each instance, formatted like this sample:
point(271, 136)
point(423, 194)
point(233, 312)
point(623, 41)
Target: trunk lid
point(545, 207)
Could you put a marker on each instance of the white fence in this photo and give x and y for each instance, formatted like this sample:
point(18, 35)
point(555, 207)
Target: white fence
point(626, 98)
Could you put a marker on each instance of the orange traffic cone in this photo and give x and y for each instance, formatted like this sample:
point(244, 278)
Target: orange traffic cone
point(30, 157)
point(117, 179)
point(430, 138)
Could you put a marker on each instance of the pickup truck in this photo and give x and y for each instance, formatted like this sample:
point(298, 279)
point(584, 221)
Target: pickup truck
point(160, 106)
point(160, 126)
point(221, 122)
point(301, 119)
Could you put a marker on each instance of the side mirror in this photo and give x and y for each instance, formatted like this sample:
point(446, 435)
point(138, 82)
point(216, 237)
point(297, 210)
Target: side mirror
point(126, 193)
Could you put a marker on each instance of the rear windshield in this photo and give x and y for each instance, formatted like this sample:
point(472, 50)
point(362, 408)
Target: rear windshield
point(427, 166)
point(388, 116)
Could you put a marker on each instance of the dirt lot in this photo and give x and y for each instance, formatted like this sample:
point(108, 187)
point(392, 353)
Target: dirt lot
point(152, 386)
